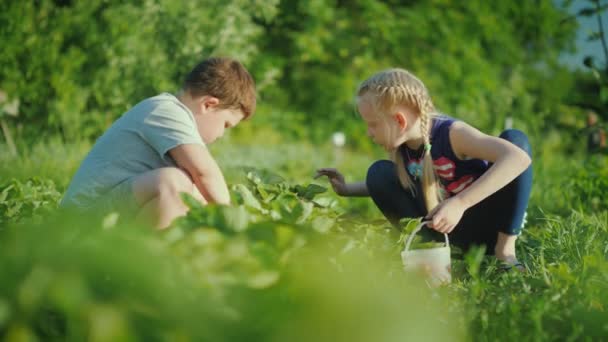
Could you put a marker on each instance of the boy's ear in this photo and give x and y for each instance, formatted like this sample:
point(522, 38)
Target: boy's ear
point(209, 101)
point(401, 120)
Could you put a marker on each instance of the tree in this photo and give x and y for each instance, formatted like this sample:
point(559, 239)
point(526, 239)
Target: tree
point(77, 65)
point(476, 57)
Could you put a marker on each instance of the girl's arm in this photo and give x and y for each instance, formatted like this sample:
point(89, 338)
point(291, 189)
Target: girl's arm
point(340, 186)
point(509, 161)
point(468, 142)
point(358, 189)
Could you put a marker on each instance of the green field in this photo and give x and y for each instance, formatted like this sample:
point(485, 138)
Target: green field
point(279, 266)
point(290, 260)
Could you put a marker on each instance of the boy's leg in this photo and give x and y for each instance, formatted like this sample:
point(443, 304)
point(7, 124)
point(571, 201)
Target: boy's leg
point(157, 193)
point(390, 197)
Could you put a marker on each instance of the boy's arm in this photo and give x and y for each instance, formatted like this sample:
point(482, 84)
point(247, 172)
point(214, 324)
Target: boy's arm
point(204, 171)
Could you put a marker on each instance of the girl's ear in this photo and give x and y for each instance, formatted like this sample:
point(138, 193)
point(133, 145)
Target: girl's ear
point(401, 120)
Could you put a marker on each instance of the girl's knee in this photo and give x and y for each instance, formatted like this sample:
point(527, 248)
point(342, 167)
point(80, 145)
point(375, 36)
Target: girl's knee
point(517, 138)
point(379, 174)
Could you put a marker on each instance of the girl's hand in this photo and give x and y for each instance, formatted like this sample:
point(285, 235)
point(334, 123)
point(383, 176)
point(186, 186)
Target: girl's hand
point(446, 215)
point(335, 178)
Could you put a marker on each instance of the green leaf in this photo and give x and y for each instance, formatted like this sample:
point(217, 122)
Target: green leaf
point(263, 279)
point(247, 197)
point(308, 192)
point(409, 224)
point(322, 224)
point(258, 176)
point(303, 210)
point(190, 201)
point(235, 218)
point(604, 94)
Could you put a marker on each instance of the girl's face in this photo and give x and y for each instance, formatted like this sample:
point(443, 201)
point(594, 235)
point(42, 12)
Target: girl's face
point(383, 129)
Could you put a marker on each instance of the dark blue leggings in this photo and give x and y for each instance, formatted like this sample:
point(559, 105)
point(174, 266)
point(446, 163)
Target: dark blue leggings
point(502, 211)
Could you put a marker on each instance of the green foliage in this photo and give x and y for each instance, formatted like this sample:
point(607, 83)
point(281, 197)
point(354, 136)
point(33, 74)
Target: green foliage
point(53, 159)
point(589, 185)
point(419, 241)
point(290, 261)
point(76, 66)
point(563, 184)
point(20, 200)
point(481, 60)
point(593, 85)
point(69, 280)
point(564, 295)
point(265, 269)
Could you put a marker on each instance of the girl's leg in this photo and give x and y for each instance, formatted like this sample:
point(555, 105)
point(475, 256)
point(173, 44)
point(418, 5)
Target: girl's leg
point(389, 196)
point(505, 248)
point(517, 194)
point(496, 221)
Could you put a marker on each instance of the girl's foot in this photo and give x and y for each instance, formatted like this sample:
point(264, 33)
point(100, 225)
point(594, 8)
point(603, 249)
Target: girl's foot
point(505, 253)
point(508, 266)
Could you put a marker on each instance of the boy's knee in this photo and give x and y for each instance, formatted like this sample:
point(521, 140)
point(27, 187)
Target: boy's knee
point(166, 182)
point(517, 138)
point(379, 174)
point(173, 181)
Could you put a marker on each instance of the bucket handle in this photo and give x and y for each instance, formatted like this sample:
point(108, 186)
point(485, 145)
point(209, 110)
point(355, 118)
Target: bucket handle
point(416, 230)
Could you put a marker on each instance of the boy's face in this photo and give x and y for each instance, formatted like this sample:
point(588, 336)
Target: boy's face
point(212, 121)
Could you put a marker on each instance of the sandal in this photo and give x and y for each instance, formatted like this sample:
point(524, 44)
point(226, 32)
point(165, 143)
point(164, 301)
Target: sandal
point(506, 267)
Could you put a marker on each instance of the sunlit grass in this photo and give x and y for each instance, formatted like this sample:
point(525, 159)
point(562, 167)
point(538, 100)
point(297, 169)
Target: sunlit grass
point(67, 278)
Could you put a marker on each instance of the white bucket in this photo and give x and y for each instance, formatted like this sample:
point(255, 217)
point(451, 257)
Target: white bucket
point(434, 263)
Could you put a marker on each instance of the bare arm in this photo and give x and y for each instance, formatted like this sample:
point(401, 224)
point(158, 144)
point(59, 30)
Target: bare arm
point(357, 189)
point(509, 161)
point(204, 171)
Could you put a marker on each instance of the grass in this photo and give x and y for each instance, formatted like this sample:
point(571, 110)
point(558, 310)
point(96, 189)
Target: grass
point(294, 270)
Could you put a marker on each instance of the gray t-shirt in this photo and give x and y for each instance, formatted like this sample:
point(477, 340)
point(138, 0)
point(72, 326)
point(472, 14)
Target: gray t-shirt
point(136, 143)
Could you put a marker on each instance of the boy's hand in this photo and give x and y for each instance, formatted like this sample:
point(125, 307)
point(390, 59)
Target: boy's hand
point(335, 178)
point(203, 170)
point(446, 215)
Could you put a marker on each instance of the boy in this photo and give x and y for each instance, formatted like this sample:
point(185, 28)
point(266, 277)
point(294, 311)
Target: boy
point(156, 150)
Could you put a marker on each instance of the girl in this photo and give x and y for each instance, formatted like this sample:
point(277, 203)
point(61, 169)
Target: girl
point(470, 185)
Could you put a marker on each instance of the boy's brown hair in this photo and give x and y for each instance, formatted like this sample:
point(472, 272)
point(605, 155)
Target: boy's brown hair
point(226, 79)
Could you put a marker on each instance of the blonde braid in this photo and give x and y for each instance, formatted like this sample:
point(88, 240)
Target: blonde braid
point(430, 182)
point(398, 86)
